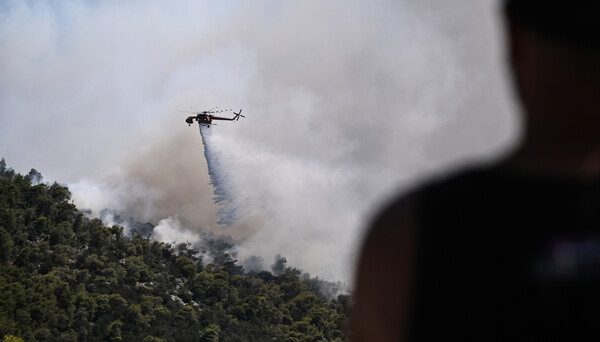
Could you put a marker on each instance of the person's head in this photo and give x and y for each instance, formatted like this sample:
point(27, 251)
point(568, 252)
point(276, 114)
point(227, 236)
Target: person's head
point(554, 52)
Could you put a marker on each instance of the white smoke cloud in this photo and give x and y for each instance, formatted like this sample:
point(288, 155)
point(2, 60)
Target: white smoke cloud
point(129, 195)
point(170, 230)
point(346, 102)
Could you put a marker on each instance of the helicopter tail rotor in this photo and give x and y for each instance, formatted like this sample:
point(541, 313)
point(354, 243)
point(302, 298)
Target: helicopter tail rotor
point(237, 115)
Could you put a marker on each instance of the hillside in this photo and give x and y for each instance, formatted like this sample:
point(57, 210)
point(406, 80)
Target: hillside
point(67, 277)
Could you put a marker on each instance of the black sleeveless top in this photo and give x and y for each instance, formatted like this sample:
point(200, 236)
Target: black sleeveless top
point(507, 257)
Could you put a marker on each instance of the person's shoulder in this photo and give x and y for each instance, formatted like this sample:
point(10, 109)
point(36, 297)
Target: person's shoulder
point(467, 185)
point(449, 184)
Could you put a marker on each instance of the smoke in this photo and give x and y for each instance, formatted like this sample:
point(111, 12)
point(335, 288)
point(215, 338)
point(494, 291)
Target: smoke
point(170, 230)
point(346, 103)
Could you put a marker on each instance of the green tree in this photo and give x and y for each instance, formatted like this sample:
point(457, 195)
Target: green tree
point(185, 266)
point(210, 333)
point(114, 331)
point(11, 338)
point(6, 244)
point(66, 277)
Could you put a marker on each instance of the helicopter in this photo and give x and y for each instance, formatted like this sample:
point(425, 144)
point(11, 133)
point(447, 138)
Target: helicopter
point(206, 117)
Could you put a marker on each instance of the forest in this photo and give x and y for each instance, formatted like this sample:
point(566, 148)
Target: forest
point(65, 276)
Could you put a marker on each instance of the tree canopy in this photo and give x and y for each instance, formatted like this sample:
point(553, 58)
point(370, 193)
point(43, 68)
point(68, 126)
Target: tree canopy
point(67, 277)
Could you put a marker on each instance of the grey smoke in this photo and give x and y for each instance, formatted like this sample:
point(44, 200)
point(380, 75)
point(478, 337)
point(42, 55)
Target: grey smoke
point(347, 102)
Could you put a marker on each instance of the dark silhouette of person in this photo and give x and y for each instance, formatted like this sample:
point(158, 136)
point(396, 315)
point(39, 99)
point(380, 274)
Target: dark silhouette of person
point(508, 251)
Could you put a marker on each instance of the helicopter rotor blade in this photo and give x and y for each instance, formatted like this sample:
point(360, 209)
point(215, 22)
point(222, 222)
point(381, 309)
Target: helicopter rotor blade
point(222, 110)
point(214, 110)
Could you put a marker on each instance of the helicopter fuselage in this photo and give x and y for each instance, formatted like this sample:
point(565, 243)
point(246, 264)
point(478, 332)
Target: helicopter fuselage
point(203, 119)
point(206, 118)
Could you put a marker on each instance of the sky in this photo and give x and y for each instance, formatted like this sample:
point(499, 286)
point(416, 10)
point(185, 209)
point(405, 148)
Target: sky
point(347, 103)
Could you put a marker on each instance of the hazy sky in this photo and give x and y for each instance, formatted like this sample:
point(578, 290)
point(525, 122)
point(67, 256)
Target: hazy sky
point(346, 103)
